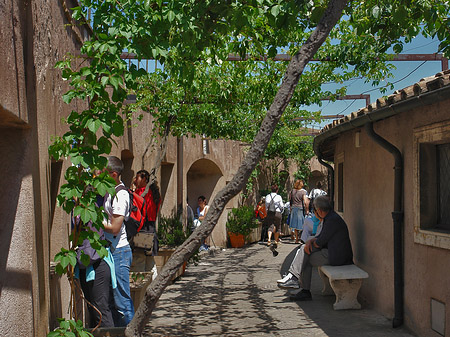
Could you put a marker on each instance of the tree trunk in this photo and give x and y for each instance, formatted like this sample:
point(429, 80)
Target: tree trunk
point(281, 100)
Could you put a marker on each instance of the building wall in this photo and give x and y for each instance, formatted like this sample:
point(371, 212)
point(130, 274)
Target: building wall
point(33, 38)
point(368, 203)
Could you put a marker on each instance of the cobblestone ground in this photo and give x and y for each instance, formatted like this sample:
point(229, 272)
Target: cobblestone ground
point(233, 292)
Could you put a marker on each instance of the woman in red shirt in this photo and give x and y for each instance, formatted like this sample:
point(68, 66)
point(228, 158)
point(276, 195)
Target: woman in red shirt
point(152, 200)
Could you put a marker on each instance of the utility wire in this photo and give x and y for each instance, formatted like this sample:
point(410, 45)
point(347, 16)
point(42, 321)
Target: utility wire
point(395, 82)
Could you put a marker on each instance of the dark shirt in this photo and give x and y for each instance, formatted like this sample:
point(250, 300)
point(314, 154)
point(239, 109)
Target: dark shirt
point(334, 236)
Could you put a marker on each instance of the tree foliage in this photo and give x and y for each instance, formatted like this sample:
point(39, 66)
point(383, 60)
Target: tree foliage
point(198, 91)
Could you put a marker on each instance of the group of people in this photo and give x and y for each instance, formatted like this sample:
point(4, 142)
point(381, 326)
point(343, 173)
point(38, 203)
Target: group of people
point(299, 209)
point(105, 282)
point(329, 246)
point(323, 235)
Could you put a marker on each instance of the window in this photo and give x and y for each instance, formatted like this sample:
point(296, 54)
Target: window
point(432, 185)
point(443, 164)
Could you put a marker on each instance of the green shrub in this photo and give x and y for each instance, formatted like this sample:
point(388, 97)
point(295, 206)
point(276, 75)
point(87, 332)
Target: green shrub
point(242, 220)
point(171, 232)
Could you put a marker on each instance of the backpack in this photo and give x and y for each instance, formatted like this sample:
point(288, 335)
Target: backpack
point(86, 247)
point(138, 214)
point(272, 205)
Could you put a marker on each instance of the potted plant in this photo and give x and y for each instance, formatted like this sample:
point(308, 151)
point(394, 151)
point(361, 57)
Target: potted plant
point(240, 223)
point(171, 234)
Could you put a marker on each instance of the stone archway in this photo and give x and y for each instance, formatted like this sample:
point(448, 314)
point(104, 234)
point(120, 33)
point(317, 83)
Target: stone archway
point(202, 179)
point(315, 177)
point(205, 178)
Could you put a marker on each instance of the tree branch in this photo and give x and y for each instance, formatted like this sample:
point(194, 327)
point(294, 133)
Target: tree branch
point(282, 99)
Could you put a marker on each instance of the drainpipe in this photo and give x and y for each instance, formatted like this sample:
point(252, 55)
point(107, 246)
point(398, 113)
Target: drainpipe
point(180, 175)
point(330, 177)
point(397, 217)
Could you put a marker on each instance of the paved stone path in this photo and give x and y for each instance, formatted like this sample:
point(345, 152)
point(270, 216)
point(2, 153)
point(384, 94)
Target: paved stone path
point(233, 292)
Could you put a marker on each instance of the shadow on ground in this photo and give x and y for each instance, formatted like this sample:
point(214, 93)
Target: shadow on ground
point(234, 293)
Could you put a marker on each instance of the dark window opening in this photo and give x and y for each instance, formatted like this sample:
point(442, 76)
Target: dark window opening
point(443, 187)
point(340, 188)
point(434, 173)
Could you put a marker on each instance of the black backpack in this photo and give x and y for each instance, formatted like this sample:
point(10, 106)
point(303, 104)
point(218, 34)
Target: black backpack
point(272, 205)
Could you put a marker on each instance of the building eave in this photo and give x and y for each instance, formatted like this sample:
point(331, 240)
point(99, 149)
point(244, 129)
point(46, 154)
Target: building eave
point(427, 91)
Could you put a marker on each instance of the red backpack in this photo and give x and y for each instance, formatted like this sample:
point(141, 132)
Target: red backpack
point(138, 214)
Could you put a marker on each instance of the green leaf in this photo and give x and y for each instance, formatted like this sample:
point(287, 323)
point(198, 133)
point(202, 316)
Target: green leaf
point(115, 80)
point(272, 51)
point(59, 269)
point(171, 16)
point(104, 145)
point(398, 48)
point(85, 71)
point(104, 80)
point(85, 259)
point(118, 129)
point(275, 10)
point(376, 12)
point(93, 125)
point(72, 257)
point(64, 324)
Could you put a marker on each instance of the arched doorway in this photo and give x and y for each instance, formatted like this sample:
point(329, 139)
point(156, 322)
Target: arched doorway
point(315, 177)
point(202, 179)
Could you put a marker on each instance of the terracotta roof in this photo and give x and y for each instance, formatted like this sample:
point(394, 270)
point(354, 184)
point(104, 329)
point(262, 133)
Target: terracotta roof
point(425, 85)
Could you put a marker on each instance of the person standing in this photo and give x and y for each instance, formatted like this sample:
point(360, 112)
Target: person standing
point(202, 210)
point(97, 278)
point(314, 193)
point(274, 207)
point(299, 208)
point(117, 208)
point(152, 197)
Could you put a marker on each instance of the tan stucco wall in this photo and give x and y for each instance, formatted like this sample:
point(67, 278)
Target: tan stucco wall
point(368, 203)
point(33, 37)
point(201, 174)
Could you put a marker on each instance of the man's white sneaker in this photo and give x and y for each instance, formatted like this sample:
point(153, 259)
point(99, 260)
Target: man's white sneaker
point(286, 278)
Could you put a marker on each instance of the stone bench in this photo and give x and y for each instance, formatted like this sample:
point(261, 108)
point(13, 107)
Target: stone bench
point(345, 282)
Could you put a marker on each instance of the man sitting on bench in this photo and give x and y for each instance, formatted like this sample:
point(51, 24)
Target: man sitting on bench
point(331, 247)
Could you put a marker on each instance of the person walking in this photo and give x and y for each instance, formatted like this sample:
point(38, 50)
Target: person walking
point(274, 207)
point(299, 208)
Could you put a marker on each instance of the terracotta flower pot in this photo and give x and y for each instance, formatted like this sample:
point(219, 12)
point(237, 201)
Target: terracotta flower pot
point(237, 240)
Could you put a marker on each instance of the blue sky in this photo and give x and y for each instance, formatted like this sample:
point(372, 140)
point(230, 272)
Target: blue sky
point(407, 73)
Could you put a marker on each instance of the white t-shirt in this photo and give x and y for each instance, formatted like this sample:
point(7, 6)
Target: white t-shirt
point(316, 192)
point(120, 206)
point(308, 225)
point(277, 200)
